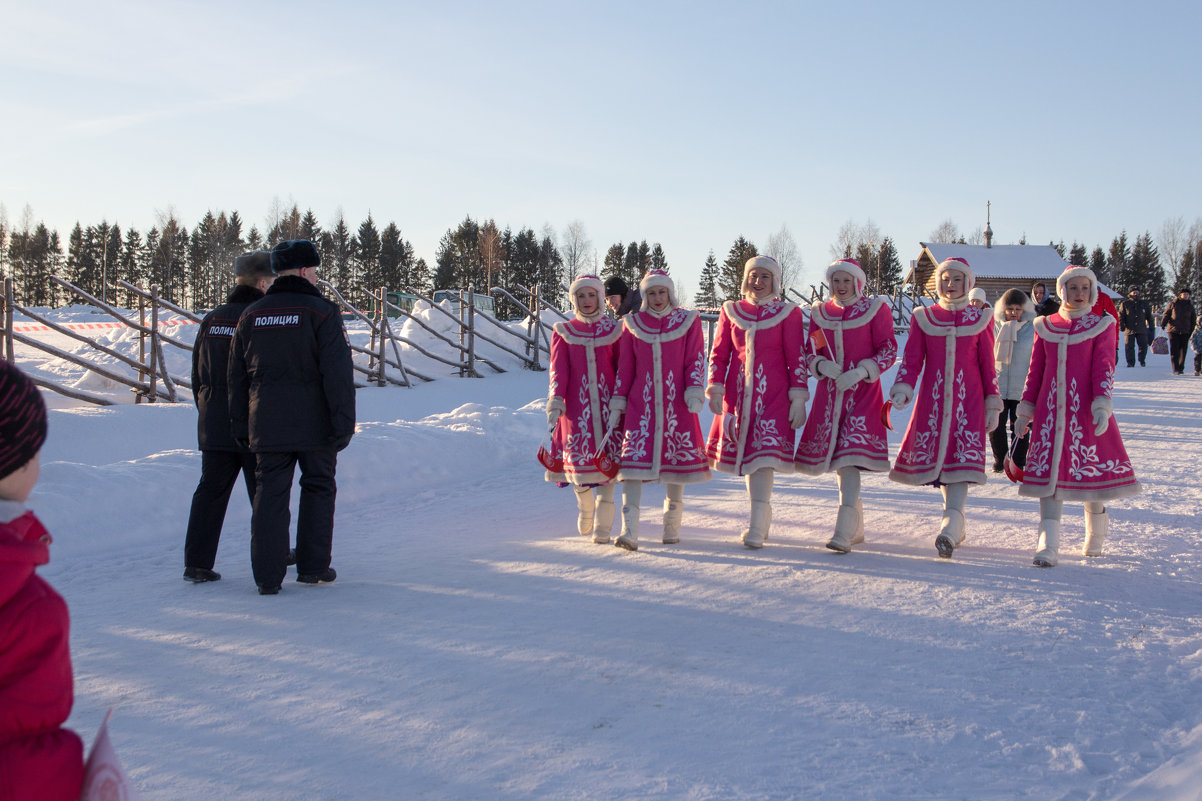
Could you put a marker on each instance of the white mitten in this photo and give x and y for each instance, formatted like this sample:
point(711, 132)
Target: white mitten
point(714, 392)
point(555, 407)
point(850, 378)
point(797, 412)
point(1021, 424)
point(617, 405)
point(1101, 421)
point(900, 396)
point(827, 368)
point(694, 399)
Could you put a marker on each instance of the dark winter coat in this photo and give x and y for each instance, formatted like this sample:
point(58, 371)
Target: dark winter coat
point(1135, 316)
point(39, 760)
point(210, 364)
point(631, 303)
point(1179, 317)
point(291, 384)
point(1050, 305)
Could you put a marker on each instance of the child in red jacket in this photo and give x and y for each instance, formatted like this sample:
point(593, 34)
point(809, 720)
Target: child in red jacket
point(39, 760)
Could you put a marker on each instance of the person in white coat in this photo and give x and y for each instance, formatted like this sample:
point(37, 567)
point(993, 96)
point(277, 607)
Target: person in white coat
point(1013, 338)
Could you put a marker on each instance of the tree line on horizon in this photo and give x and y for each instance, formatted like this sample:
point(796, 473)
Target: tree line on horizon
point(193, 268)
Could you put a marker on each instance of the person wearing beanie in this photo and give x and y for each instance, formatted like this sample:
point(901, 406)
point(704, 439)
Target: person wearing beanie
point(757, 389)
point(1013, 338)
point(39, 759)
point(978, 298)
point(1135, 321)
point(220, 457)
point(851, 344)
point(1178, 322)
point(584, 363)
point(292, 401)
point(951, 347)
point(1076, 452)
point(657, 395)
point(619, 298)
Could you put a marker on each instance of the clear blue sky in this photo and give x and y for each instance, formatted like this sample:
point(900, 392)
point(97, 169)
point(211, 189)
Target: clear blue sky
point(686, 123)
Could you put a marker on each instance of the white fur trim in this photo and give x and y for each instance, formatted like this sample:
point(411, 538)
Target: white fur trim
point(694, 394)
point(970, 278)
point(657, 278)
point(993, 404)
point(715, 391)
point(763, 263)
point(1101, 404)
point(556, 404)
point(617, 404)
point(851, 268)
point(799, 393)
point(871, 368)
point(1077, 271)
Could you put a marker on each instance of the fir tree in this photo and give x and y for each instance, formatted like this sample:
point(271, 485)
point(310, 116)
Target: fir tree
point(367, 252)
point(889, 265)
point(1146, 270)
point(130, 265)
point(1097, 263)
point(1118, 262)
point(730, 278)
point(707, 294)
point(341, 269)
point(631, 272)
point(659, 260)
point(550, 272)
point(613, 261)
point(1078, 255)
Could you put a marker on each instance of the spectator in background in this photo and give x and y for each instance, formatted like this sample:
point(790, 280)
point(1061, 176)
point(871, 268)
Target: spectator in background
point(1178, 322)
point(292, 401)
point(39, 759)
point(220, 457)
point(1045, 304)
point(977, 298)
point(1135, 320)
point(1196, 344)
point(620, 298)
point(1013, 340)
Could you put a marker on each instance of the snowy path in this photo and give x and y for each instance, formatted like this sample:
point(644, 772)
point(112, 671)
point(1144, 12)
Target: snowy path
point(475, 647)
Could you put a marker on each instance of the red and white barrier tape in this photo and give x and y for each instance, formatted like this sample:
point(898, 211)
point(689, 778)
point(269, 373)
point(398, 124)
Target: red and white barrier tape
point(28, 327)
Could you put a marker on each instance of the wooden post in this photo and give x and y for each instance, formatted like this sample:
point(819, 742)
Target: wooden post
point(141, 345)
point(381, 323)
point(8, 319)
point(471, 330)
point(154, 343)
point(538, 291)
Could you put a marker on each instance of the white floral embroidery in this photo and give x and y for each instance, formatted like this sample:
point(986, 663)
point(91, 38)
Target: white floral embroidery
point(678, 440)
point(634, 444)
point(1083, 459)
point(925, 442)
point(765, 434)
point(970, 445)
point(1039, 457)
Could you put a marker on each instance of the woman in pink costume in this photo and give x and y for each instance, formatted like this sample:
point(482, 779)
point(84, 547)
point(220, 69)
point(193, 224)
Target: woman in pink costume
point(584, 362)
point(951, 346)
point(660, 389)
point(1076, 451)
point(852, 340)
point(757, 389)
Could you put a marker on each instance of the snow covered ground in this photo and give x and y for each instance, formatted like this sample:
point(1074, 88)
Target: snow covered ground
point(475, 647)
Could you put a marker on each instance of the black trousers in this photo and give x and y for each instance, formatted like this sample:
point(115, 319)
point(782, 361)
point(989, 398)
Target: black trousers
point(218, 472)
point(997, 438)
point(1177, 345)
point(271, 518)
point(1134, 338)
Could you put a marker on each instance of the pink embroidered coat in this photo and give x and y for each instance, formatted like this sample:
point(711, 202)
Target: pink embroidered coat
point(584, 365)
point(659, 359)
point(758, 359)
point(945, 441)
point(1072, 369)
point(844, 429)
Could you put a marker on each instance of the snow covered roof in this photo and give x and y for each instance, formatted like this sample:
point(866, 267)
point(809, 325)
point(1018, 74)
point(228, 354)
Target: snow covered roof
point(1002, 261)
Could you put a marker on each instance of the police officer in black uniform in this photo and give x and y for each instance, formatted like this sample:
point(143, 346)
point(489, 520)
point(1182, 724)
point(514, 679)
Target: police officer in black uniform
point(292, 399)
point(220, 458)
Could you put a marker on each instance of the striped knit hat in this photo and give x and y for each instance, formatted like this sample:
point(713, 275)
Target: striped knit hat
point(22, 419)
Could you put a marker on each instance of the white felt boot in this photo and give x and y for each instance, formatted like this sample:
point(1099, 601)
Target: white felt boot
point(951, 529)
point(604, 519)
point(1047, 549)
point(673, 511)
point(859, 536)
point(587, 505)
point(1097, 526)
point(847, 525)
point(759, 490)
point(632, 494)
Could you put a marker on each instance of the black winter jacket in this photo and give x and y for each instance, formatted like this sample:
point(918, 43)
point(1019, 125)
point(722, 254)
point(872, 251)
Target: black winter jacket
point(1179, 317)
point(210, 362)
point(1135, 316)
point(291, 384)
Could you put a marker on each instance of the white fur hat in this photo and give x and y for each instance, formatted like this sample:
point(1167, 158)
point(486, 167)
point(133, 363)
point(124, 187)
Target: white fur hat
point(852, 268)
point(763, 263)
point(978, 294)
point(1076, 271)
point(587, 281)
point(658, 278)
point(959, 265)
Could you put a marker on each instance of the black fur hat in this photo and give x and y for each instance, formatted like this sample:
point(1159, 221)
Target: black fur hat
point(255, 264)
point(294, 254)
